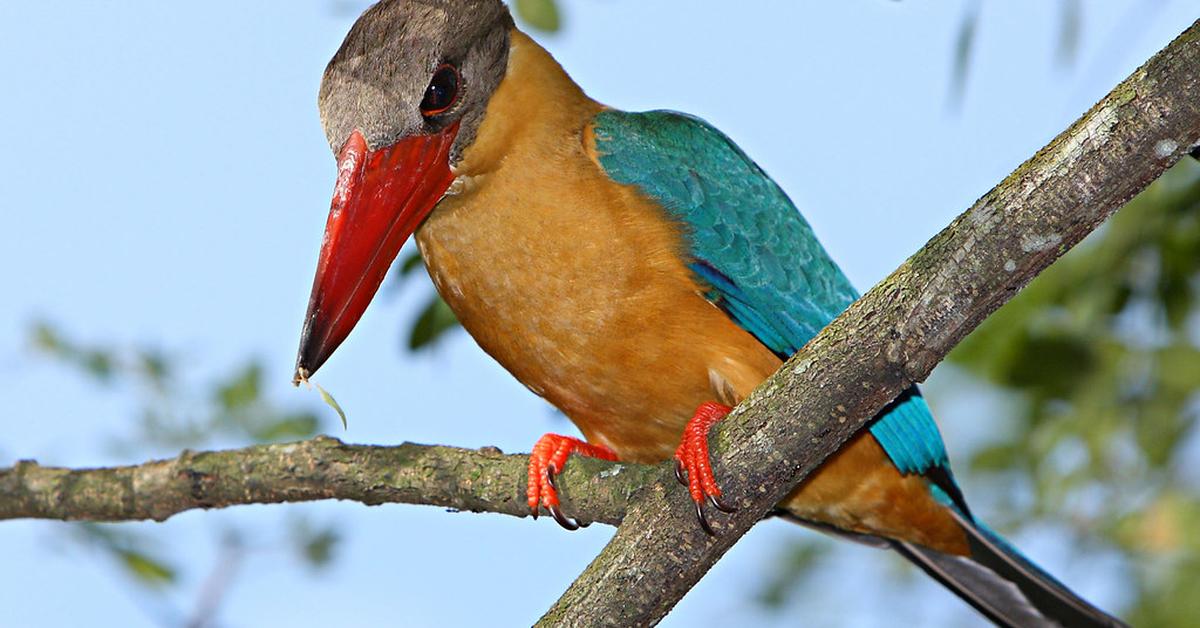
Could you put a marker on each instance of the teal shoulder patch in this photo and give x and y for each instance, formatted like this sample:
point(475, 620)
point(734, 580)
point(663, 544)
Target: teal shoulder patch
point(761, 260)
point(748, 241)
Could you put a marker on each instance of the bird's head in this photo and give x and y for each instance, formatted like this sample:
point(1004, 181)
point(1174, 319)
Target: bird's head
point(401, 101)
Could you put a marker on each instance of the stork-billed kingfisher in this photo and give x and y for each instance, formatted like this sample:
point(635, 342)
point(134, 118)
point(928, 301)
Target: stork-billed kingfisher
point(637, 270)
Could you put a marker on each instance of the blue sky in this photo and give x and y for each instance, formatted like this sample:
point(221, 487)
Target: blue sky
point(165, 181)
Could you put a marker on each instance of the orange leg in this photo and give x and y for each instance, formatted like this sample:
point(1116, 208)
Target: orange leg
point(549, 455)
point(692, 467)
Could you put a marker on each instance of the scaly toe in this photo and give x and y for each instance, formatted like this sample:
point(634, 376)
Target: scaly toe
point(549, 455)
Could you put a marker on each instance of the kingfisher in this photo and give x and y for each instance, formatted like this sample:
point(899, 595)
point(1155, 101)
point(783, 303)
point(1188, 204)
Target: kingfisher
point(637, 270)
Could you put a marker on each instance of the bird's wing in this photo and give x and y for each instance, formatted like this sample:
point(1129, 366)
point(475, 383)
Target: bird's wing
point(749, 244)
point(765, 268)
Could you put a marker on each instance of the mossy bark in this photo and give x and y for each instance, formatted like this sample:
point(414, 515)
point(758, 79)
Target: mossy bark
point(321, 468)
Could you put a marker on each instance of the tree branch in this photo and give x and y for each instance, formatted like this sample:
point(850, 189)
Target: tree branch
point(321, 468)
point(895, 335)
point(887, 340)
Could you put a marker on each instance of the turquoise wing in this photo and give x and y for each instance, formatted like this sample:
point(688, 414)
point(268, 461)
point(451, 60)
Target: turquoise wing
point(765, 265)
point(750, 245)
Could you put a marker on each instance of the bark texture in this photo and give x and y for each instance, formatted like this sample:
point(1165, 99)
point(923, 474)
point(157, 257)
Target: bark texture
point(322, 468)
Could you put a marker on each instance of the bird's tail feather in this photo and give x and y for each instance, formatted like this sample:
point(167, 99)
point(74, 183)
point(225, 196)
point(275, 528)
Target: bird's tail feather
point(1004, 585)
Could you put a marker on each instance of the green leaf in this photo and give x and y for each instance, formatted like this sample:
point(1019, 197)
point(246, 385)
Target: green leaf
point(964, 46)
point(155, 366)
point(411, 263)
point(47, 339)
point(539, 14)
point(331, 402)
point(434, 321)
point(146, 569)
point(98, 364)
point(242, 390)
point(791, 572)
point(1050, 364)
point(997, 457)
point(318, 547)
point(291, 427)
point(1068, 31)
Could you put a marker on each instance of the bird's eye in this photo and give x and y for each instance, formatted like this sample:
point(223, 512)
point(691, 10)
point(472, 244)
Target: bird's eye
point(442, 92)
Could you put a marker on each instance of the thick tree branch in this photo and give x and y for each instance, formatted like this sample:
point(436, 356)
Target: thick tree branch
point(321, 468)
point(896, 334)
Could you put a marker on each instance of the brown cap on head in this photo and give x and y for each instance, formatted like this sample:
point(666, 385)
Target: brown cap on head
point(401, 101)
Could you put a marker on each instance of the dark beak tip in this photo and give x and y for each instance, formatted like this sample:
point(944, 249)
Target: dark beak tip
point(381, 197)
point(307, 364)
point(312, 352)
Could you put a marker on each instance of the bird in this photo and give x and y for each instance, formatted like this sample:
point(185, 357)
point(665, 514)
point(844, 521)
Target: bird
point(637, 270)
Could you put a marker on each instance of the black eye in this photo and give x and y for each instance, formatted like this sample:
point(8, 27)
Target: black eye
point(442, 92)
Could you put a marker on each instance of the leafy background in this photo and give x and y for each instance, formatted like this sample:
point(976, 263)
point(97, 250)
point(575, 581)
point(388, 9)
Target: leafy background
point(1071, 412)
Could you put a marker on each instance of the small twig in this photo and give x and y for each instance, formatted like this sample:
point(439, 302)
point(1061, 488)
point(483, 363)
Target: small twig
point(218, 582)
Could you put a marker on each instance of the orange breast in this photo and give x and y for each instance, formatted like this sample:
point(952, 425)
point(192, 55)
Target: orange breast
point(575, 284)
point(578, 287)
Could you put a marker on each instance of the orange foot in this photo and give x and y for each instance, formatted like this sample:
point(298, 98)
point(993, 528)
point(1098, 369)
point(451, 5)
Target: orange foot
point(546, 461)
point(692, 467)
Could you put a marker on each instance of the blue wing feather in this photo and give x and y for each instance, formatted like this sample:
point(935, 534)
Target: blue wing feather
point(751, 246)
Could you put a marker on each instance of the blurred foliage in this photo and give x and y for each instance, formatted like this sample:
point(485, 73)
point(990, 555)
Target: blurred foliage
point(1100, 359)
point(316, 543)
point(793, 570)
point(964, 46)
point(1102, 352)
point(435, 318)
point(539, 14)
point(542, 16)
point(1070, 22)
point(176, 414)
point(129, 550)
point(232, 408)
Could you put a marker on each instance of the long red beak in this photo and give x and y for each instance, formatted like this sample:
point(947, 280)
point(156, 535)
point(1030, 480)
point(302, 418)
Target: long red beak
point(380, 199)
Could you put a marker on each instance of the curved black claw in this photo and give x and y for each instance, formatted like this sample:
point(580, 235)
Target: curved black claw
point(680, 473)
point(703, 520)
point(562, 519)
point(721, 505)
